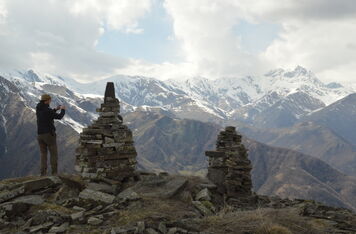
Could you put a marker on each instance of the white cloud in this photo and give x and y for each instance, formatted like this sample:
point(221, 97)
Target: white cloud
point(59, 36)
point(3, 12)
point(119, 15)
point(205, 29)
point(161, 71)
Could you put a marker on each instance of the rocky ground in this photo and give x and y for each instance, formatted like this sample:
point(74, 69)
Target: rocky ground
point(154, 204)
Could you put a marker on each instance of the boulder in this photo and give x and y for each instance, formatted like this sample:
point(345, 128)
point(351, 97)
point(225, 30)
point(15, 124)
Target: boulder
point(29, 199)
point(95, 221)
point(59, 229)
point(14, 209)
point(162, 227)
point(41, 183)
point(121, 230)
point(9, 194)
point(96, 196)
point(203, 195)
point(151, 231)
point(77, 216)
point(141, 227)
point(174, 186)
point(101, 187)
point(173, 230)
point(128, 195)
point(205, 211)
point(41, 227)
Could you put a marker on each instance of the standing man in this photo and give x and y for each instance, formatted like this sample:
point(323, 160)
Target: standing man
point(47, 132)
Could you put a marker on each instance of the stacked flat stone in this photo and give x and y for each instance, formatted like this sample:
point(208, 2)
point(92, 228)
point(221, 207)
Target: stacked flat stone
point(106, 147)
point(229, 166)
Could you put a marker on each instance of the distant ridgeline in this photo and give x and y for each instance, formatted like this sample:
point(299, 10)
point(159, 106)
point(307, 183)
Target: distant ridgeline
point(110, 196)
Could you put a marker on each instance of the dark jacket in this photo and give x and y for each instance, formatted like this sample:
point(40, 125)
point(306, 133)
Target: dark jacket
point(45, 118)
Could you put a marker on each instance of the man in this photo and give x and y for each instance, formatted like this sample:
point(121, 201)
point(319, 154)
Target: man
point(47, 132)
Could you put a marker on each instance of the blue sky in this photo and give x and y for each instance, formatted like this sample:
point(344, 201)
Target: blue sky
point(157, 42)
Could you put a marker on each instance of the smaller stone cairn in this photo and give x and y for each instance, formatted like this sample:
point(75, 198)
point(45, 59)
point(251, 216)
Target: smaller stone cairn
point(229, 166)
point(106, 147)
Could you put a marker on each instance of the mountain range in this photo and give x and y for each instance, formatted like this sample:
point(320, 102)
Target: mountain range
point(174, 122)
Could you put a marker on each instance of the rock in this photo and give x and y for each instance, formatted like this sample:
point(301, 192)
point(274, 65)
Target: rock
point(202, 208)
point(14, 209)
point(94, 211)
point(97, 196)
point(162, 227)
point(207, 185)
point(101, 187)
point(150, 231)
point(140, 226)
point(4, 224)
point(203, 195)
point(59, 229)
point(41, 227)
point(174, 186)
point(163, 174)
point(173, 230)
point(66, 192)
point(95, 221)
point(128, 195)
point(41, 183)
point(79, 208)
point(9, 194)
point(77, 216)
point(29, 199)
point(119, 230)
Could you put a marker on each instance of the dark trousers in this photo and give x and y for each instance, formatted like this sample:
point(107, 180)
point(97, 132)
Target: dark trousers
point(48, 142)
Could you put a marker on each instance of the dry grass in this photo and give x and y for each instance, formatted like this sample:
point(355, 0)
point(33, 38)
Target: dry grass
point(261, 221)
point(51, 206)
point(272, 229)
point(151, 209)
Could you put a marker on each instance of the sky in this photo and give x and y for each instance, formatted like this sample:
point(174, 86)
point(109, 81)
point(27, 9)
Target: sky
point(179, 39)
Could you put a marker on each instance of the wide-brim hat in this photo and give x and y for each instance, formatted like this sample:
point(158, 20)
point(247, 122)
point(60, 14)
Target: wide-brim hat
point(45, 97)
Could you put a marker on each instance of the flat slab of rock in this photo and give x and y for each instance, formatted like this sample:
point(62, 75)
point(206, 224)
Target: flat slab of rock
point(9, 194)
point(40, 227)
point(96, 196)
point(167, 187)
point(41, 183)
point(95, 221)
point(101, 187)
point(77, 216)
point(128, 195)
point(59, 229)
point(29, 199)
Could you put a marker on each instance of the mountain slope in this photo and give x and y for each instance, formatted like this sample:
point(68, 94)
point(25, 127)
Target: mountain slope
point(312, 139)
point(277, 99)
point(339, 116)
point(275, 170)
point(20, 151)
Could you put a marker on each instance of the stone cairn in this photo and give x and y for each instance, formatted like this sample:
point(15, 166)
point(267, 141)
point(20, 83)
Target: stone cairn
point(229, 167)
point(106, 147)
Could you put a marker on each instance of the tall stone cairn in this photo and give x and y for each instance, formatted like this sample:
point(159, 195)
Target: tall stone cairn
point(106, 147)
point(229, 166)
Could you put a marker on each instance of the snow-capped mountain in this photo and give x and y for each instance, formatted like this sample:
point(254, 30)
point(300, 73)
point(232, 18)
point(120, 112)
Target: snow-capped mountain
point(277, 99)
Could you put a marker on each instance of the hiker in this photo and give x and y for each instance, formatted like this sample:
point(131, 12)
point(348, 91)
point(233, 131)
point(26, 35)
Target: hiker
point(47, 132)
